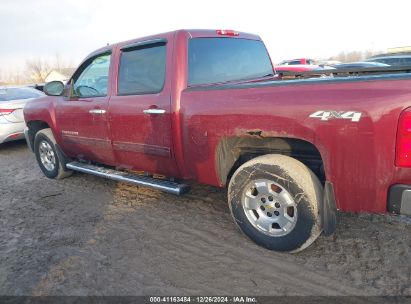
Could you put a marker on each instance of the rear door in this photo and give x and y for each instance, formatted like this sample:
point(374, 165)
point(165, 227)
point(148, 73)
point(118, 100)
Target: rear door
point(82, 115)
point(140, 112)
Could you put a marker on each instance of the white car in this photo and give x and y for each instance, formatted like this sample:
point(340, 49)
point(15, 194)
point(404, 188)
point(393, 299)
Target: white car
point(12, 102)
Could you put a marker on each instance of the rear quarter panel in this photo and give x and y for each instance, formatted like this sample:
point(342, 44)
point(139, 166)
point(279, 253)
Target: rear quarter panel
point(358, 156)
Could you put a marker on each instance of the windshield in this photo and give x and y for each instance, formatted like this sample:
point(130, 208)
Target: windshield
point(213, 60)
point(7, 94)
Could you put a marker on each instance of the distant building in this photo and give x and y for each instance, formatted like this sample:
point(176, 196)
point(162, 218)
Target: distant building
point(60, 75)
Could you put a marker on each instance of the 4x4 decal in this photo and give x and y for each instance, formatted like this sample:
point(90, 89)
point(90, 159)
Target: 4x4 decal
point(327, 115)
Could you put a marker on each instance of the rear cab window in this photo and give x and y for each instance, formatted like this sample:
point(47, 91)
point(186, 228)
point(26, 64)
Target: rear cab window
point(218, 60)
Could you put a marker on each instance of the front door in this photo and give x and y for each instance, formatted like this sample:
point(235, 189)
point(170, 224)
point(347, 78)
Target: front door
point(140, 112)
point(83, 115)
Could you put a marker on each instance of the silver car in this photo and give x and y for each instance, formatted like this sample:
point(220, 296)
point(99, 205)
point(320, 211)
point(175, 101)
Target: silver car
point(12, 102)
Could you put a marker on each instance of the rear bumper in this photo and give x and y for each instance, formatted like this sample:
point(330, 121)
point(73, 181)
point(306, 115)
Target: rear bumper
point(399, 199)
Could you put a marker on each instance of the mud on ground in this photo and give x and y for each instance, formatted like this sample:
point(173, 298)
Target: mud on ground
point(88, 236)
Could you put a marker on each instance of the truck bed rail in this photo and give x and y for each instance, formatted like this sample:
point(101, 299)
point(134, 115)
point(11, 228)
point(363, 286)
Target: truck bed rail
point(344, 72)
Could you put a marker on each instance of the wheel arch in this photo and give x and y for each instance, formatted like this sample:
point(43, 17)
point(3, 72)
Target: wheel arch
point(234, 151)
point(33, 127)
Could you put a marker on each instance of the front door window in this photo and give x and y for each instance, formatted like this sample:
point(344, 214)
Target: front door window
point(93, 79)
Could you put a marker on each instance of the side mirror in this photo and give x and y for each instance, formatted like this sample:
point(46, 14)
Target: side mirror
point(54, 88)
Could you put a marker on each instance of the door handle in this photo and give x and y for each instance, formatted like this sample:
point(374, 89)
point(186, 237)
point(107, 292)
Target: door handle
point(154, 111)
point(97, 111)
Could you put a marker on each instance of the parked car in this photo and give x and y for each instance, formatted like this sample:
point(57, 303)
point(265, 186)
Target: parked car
point(394, 60)
point(37, 86)
point(360, 65)
point(204, 105)
point(295, 69)
point(305, 61)
point(12, 102)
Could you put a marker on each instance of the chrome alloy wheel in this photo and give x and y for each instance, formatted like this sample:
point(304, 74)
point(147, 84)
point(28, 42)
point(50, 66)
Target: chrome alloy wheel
point(47, 156)
point(269, 207)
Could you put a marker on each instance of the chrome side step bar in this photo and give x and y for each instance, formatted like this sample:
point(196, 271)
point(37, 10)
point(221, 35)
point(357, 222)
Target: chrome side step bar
point(121, 176)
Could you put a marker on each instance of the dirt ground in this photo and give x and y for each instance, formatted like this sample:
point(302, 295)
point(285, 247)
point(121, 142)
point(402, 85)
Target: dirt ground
point(89, 236)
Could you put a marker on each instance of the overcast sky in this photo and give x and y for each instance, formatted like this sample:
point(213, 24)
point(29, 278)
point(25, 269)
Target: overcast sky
point(310, 28)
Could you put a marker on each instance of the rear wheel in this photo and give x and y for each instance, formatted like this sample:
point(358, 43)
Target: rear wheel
point(47, 157)
point(274, 199)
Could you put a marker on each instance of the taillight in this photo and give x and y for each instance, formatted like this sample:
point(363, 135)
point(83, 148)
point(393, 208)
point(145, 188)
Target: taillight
point(6, 111)
point(403, 146)
point(227, 33)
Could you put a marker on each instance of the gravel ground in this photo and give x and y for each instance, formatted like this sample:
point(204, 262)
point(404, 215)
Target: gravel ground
point(89, 236)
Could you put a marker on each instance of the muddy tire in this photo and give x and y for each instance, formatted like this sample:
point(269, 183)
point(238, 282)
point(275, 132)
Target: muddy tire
point(47, 157)
point(274, 200)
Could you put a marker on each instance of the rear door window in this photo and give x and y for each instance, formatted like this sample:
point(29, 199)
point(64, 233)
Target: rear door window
point(142, 69)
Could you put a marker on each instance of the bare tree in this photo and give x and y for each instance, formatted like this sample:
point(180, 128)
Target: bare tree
point(14, 76)
point(353, 56)
point(38, 69)
point(58, 63)
point(2, 76)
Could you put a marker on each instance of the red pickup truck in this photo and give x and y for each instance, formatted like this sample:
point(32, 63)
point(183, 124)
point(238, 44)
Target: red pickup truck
point(204, 105)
